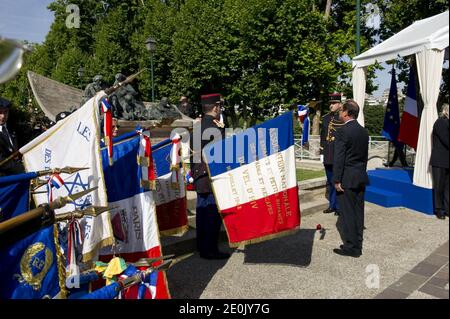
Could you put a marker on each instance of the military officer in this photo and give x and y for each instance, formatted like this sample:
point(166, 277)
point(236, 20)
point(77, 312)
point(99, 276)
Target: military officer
point(8, 143)
point(208, 220)
point(330, 123)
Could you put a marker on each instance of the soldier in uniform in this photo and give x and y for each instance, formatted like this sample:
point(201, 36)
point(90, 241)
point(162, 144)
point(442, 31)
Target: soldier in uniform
point(330, 123)
point(92, 88)
point(125, 102)
point(8, 143)
point(208, 220)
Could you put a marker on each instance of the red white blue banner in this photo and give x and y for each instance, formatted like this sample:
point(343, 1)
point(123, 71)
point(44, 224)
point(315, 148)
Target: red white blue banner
point(254, 181)
point(170, 197)
point(133, 220)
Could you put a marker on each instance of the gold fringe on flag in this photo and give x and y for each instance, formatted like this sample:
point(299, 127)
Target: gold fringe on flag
point(60, 265)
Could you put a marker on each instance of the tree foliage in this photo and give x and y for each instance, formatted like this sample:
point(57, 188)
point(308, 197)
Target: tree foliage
point(259, 54)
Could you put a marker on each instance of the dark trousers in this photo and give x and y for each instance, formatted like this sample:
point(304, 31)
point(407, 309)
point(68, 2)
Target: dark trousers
point(333, 203)
point(351, 202)
point(399, 153)
point(440, 189)
point(208, 224)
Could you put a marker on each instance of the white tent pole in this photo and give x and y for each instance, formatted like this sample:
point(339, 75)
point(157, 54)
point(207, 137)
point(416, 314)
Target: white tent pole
point(359, 90)
point(429, 70)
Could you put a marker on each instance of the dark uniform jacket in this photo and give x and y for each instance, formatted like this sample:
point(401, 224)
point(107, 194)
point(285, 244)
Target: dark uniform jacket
point(6, 149)
point(330, 125)
point(440, 150)
point(350, 156)
point(199, 170)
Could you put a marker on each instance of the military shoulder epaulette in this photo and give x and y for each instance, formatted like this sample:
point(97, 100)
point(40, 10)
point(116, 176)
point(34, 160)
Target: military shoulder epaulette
point(337, 123)
point(219, 124)
point(326, 114)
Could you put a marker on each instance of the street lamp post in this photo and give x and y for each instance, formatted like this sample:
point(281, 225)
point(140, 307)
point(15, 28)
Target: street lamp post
point(150, 45)
point(81, 75)
point(358, 26)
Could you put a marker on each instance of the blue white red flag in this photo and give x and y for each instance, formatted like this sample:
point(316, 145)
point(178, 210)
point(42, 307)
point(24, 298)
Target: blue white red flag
point(253, 176)
point(303, 116)
point(134, 220)
point(409, 126)
point(170, 196)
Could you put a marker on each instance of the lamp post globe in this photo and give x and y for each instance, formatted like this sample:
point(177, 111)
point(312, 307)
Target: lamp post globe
point(81, 75)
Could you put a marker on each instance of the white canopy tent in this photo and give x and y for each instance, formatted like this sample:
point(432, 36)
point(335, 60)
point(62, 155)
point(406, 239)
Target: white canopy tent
point(427, 39)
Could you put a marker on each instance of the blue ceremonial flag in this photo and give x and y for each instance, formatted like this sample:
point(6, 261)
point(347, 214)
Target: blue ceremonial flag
point(303, 116)
point(14, 194)
point(28, 268)
point(391, 124)
point(134, 220)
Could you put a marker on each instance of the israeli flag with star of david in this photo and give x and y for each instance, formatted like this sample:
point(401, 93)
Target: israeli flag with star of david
point(75, 141)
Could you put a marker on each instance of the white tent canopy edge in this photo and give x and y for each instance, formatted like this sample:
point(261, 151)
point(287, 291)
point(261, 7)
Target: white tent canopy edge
point(427, 39)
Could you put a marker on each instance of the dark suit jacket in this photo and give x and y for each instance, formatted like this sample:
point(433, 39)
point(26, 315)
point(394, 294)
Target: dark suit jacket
point(439, 151)
point(350, 156)
point(199, 170)
point(13, 166)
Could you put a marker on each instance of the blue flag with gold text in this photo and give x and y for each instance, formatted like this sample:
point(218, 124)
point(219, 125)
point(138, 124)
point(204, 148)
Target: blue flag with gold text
point(28, 268)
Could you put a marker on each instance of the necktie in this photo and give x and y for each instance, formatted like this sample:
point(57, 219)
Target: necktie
point(6, 134)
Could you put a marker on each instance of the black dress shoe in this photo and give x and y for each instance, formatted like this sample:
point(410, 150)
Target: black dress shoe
point(328, 211)
point(344, 252)
point(440, 216)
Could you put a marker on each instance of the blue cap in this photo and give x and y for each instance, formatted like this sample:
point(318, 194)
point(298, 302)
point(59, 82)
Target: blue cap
point(4, 103)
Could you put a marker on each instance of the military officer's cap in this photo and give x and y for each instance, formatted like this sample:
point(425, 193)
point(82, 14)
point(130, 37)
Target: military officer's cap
point(335, 97)
point(4, 103)
point(210, 99)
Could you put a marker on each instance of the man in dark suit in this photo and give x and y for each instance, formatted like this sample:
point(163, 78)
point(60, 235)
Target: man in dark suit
point(208, 220)
point(8, 143)
point(330, 124)
point(439, 163)
point(350, 177)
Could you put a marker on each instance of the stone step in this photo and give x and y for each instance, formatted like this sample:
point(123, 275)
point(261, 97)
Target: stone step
point(311, 195)
point(312, 207)
point(309, 164)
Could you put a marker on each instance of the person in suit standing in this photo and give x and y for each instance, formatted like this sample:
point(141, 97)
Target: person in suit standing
point(439, 164)
point(350, 177)
point(330, 124)
point(8, 143)
point(208, 220)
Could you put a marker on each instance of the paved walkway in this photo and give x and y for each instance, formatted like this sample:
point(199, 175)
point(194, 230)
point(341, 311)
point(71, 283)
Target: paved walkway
point(405, 256)
point(427, 280)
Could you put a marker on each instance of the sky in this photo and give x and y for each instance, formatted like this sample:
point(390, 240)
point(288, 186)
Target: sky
point(25, 19)
point(30, 20)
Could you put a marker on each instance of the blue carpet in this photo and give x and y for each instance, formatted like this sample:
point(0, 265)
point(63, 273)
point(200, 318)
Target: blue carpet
point(394, 188)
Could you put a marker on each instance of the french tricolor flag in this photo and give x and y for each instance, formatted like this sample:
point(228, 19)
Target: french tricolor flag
point(171, 203)
point(56, 181)
point(134, 216)
point(254, 181)
point(302, 111)
point(409, 126)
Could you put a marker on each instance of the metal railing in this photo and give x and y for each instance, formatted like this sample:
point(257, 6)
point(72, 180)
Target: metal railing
point(378, 147)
